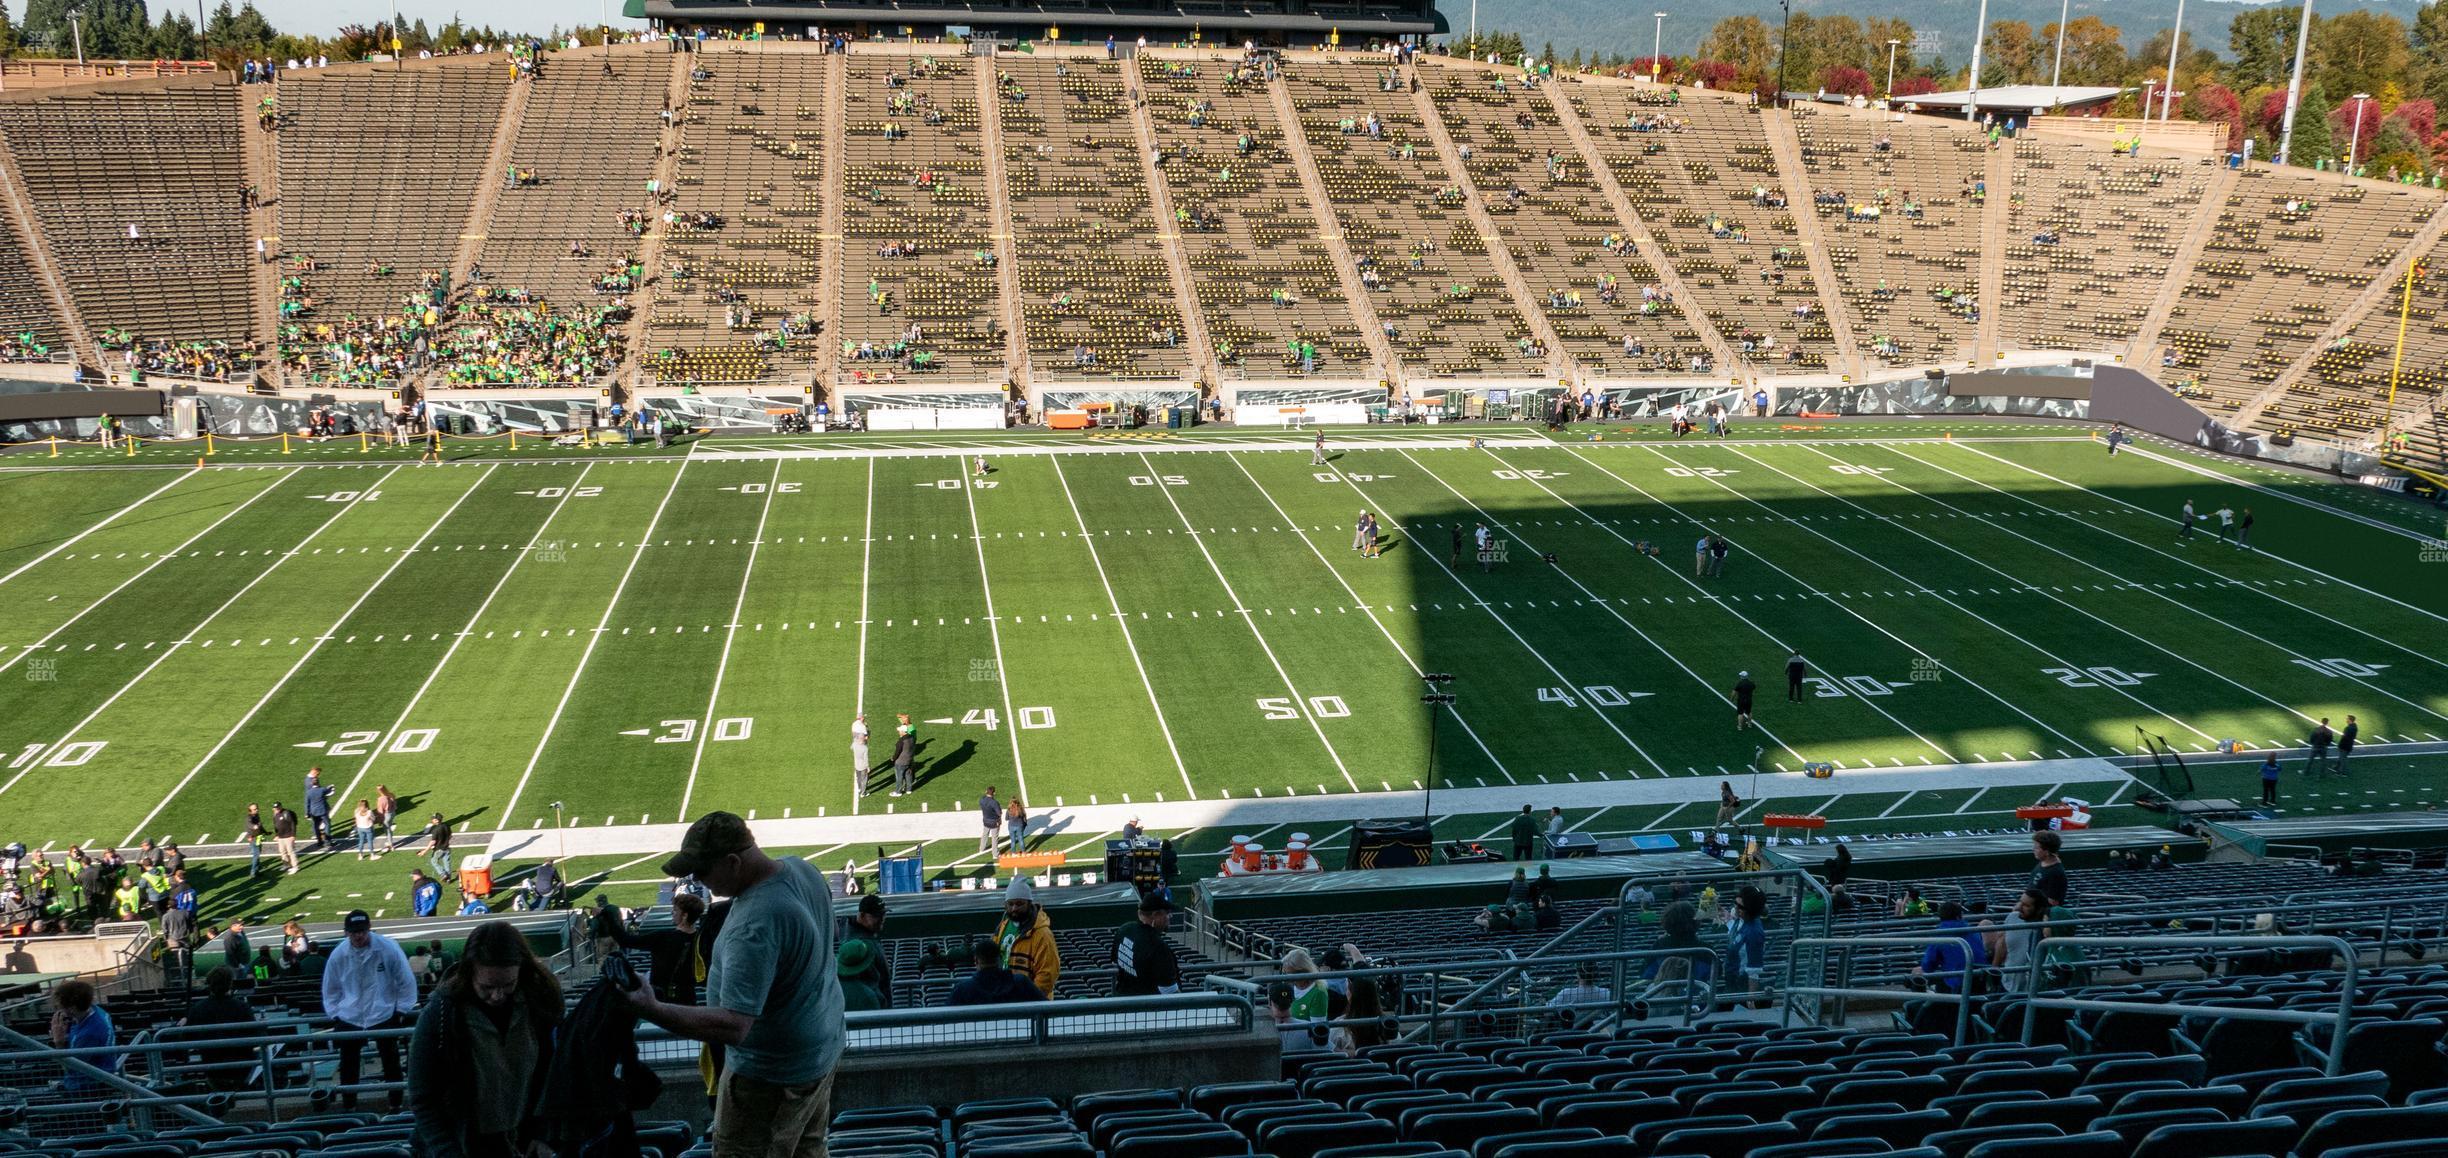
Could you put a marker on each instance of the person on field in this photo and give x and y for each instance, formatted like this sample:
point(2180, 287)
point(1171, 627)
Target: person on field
point(859, 771)
point(1744, 689)
point(905, 758)
point(2316, 764)
point(990, 822)
point(1525, 834)
point(1795, 670)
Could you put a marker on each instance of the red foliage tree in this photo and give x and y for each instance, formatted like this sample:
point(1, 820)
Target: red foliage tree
point(2342, 122)
point(2419, 116)
point(1913, 86)
point(1718, 74)
point(2272, 113)
point(1846, 79)
point(1665, 66)
point(2217, 102)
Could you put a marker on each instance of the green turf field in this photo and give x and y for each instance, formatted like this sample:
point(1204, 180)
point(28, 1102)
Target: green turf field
point(645, 636)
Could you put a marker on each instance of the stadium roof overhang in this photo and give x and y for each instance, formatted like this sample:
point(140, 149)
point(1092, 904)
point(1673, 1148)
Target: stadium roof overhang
point(2014, 98)
point(1431, 23)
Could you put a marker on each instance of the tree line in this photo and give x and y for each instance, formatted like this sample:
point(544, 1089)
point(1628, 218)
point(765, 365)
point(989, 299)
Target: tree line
point(2399, 72)
point(125, 30)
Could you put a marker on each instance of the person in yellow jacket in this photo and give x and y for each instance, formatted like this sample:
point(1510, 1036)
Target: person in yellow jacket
point(129, 898)
point(1027, 937)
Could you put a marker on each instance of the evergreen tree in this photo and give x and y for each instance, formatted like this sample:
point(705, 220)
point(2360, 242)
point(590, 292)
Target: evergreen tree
point(2313, 142)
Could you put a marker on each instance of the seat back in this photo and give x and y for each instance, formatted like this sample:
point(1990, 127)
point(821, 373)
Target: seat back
point(2219, 1139)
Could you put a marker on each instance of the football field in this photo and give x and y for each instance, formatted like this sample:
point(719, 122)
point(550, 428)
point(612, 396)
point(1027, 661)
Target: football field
point(625, 640)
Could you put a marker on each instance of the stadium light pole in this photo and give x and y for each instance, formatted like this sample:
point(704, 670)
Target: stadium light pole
point(1980, 32)
point(1891, 51)
point(1657, 47)
point(2286, 126)
point(76, 32)
point(1433, 698)
point(2354, 136)
point(2167, 104)
point(2065, 8)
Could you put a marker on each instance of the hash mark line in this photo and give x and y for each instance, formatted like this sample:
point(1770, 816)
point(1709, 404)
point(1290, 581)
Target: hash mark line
point(1201, 542)
point(158, 560)
point(107, 520)
point(1816, 533)
point(2249, 586)
point(1365, 609)
point(1123, 621)
point(1645, 637)
point(994, 635)
point(190, 635)
point(866, 565)
point(1694, 584)
point(594, 637)
point(722, 666)
point(2172, 601)
point(2035, 647)
point(463, 634)
point(137, 832)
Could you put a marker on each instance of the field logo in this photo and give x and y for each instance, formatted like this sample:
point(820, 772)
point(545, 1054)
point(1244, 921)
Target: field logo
point(981, 671)
point(552, 551)
point(43, 670)
point(1925, 670)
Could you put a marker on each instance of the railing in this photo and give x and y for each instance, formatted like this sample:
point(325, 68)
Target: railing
point(1418, 993)
point(1846, 988)
point(2344, 1016)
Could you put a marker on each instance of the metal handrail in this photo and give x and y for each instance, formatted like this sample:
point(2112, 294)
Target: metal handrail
point(1963, 974)
point(2344, 1016)
point(1440, 1012)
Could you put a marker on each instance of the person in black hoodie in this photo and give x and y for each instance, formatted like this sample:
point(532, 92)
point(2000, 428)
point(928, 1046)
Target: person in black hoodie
point(993, 984)
point(482, 1049)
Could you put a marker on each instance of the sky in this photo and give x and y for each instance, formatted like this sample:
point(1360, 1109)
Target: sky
point(322, 17)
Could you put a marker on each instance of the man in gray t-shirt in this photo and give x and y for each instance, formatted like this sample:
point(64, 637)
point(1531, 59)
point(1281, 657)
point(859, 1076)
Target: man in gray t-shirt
point(773, 999)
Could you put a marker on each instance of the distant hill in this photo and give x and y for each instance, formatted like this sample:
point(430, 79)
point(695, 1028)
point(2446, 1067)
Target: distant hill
point(1619, 26)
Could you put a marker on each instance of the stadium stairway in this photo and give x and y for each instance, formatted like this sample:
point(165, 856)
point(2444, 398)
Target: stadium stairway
point(1568, 114)
point(2381, 294)
point(259, 150)
point(658, 231)
point(1992, 292)
point(1786, 145)
point(1330, 230)
point(1491, 238)
point(64, 322)
point(998, 201)
point(2145, 348)
point(1177, 262)
point(489, 182)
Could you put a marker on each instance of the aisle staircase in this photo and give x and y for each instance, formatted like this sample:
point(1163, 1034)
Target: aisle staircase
point(1347, 270)
point(1786, 145)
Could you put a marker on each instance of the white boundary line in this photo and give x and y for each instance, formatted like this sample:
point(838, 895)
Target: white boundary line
point(2181, 604)
point(722, 666)
point(858, 693)
point(158, 560)
point(2271, 555)
point(2164, 553)
point(137, 833)
point(1609, 607)
point(2274, 492)
point(175, 644)
point(1299, 702)
point(464, 632)
point(2019, 582)
point(1115, 604)
point(994, 634)
point(1474, 599)
point(593, 637)
point(1365, 609)
point(1832, 601)
point(1694, 584)
point(182, 476)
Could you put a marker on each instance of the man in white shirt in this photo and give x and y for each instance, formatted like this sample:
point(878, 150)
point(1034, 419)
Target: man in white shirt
point(368, 985)
point(858, 757)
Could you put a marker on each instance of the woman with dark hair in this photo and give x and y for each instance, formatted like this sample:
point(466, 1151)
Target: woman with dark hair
point(482, 1047)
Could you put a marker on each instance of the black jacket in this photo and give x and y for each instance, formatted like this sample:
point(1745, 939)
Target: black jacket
point(441, 1087)
point(1144, 962)
point(596, 1083)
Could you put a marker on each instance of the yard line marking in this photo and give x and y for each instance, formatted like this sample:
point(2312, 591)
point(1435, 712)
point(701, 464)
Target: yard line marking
point(1815, 532)
point(2189, 608)
point(2035, 647)
point(1299, 700)
point(1619, 616)
point(722, 666)
point(1966, 806)
point(553, 723)
point(1452, 709)
point(2253, 586)
point(1501, 621)
point(190, 635)
point(2299, 500)
point(179, 477)
point(1899, 803)
point(1123, 622)
point(994, 633)
point(866, 564)
point(137, 833)
point(464, 633)
point(1694, 584)
point(158, 560)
